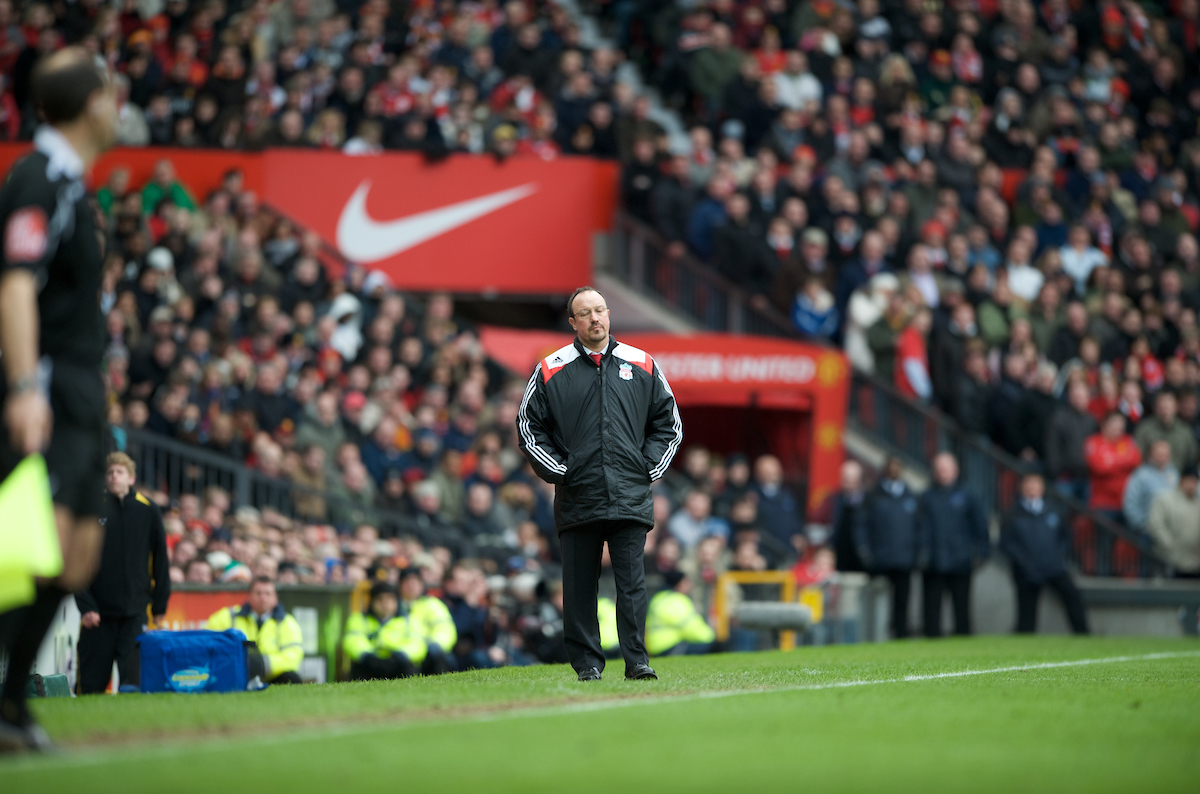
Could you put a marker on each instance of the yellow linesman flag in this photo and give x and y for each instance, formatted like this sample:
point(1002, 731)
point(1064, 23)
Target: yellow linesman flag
point(28, 535)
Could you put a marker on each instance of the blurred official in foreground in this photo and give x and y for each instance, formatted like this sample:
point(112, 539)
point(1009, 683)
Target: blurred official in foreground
point(52, 340)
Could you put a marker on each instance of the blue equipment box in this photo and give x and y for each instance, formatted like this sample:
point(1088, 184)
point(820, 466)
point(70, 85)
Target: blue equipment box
point(193, 661)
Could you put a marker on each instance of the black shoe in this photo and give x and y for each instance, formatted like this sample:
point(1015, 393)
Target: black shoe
point(12, 738)
point(29, 737)
point(640, 672)
point(590, 674)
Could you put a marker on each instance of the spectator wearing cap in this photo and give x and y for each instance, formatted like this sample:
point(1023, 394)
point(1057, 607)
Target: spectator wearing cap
point(1174, 523)
point(1154, 476)
point(430, 619)
point(1036, 539)
point(381, 643)
point(1165, 425)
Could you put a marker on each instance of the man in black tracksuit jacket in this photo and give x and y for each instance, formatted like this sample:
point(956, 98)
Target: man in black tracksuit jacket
point(1037, 539)
point(952, 537)
point(599, 421)
point(134, 573)
point(887, 542)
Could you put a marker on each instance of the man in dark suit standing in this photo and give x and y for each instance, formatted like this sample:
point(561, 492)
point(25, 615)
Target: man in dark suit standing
point(1036, 539)
point(952, 538)
point(888, 539)
point(599, 421)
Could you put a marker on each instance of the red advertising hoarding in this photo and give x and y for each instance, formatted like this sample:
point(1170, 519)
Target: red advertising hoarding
point(467, 224)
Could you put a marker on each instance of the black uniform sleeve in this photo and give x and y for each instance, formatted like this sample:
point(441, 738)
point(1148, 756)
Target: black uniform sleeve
point(664, 430)
point(86, 601)
point(534, 424)
point(160, 563)
point(29, 220)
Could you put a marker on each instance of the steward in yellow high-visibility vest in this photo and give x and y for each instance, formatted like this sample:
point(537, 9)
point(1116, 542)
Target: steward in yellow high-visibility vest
point(673, 626)
point(380, 642)
point(610, 643)
point(430, 618)
point(267, 624)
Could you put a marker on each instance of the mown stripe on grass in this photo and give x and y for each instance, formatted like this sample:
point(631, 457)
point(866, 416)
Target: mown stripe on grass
point(100, 757)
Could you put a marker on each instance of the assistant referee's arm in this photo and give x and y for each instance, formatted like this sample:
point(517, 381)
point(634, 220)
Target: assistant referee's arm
point(18, 324)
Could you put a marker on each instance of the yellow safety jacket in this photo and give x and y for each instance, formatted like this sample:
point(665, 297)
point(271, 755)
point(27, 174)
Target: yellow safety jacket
point(606, 610)
point(365, 634)
point(431, 618)
point(671, 619)
point(278, 637)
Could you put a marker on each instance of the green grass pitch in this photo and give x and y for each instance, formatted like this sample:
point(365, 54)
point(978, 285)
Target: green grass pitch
point(1011, 714)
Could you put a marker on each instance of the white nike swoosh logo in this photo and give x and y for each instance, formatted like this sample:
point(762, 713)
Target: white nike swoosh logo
point(362, 239)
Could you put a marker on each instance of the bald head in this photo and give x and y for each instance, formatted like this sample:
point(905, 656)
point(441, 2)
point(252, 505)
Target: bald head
point(64, 84)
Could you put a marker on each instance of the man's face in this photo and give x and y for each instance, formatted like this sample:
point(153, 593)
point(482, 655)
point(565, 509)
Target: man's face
point(1160, 454)
point(384, 605)
point(589, 319)
point(1165, 408)
point(1189, 485)
point(1033, 488)
point(411, 588)
point(118, 480)
point(945, 469)
point(263, 597)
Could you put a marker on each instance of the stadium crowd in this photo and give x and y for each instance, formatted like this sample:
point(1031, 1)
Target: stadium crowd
point(999, 188)
point(511, 77)
point(992, 206)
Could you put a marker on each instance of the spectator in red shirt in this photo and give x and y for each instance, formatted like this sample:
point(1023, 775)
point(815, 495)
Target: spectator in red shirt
point(912, 357)
point(1111, 457)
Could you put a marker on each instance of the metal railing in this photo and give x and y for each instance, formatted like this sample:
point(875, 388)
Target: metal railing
point(915, 433)
point(641, 259)
point(901, 426)
point(176, 468)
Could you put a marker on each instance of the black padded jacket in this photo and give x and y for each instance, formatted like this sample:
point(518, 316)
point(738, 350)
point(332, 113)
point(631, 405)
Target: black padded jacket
point(601, 434)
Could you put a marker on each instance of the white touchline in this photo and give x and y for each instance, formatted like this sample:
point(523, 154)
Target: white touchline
point(101, 757)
